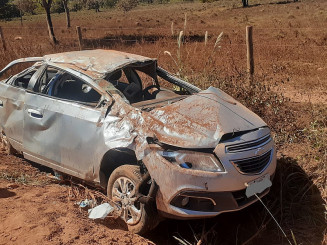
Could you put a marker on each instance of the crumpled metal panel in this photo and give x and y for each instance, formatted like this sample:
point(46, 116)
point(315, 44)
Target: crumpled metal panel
point(75, 138)
point(199, 121)
point(11, 111)
point(67, 135)
point(96, 63)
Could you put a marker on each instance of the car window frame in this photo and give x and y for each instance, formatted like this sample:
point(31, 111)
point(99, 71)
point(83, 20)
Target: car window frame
point(20, 61)
point(11, 81)
point(79, 103)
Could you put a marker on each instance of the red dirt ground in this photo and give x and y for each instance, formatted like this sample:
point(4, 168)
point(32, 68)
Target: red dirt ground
point(36, 210)
point(290, 53)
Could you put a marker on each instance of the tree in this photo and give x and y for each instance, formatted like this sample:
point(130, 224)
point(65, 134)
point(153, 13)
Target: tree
point(26, 6)
point(65, 3)
point(245, 3)
point(46, 4)
point(75, 5)
point(109, 3)
point(127, 5)
point(8, 11)
point(94, 4)
point(57, 7)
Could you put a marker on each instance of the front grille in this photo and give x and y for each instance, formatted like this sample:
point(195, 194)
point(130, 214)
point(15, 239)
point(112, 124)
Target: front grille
point(253, 165)
point(249, 145)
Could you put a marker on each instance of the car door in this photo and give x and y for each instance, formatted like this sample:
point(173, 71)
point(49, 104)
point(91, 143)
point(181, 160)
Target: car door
point(12, 96)
point(61, 123)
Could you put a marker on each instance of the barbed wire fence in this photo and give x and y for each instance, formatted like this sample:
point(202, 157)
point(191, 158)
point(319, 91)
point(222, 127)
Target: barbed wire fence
point(94, 37)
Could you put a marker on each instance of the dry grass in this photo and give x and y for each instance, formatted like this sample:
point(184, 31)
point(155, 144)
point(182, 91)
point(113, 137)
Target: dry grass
point(289, 90)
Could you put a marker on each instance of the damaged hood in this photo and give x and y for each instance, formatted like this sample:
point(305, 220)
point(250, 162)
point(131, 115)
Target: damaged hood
point(200, 120)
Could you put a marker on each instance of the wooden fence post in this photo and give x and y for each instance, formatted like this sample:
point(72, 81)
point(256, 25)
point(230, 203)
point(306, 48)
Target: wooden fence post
point(249, 53)
point(80, 37)
point(3, 40)
point(206, 38)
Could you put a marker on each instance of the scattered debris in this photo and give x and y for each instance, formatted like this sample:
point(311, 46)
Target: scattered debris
point(86, 203)
point(53, 177)
point(101, 211)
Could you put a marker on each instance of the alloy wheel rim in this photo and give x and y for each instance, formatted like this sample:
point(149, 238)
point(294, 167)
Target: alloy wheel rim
point(124, 194)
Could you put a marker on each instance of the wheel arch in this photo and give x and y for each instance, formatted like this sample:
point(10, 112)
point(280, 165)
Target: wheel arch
point(112, 159)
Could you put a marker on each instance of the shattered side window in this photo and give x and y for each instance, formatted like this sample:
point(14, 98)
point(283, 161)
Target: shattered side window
point(148, 81)
point(45, 79)
point(158, 88)
point(24, 77)
point(17, 69)
point(59, 84)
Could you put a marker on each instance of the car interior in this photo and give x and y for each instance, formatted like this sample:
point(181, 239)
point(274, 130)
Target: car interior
point(136, 84)
point(129, 85)
point(59, 84)
point(136, 89)
point(23, 79)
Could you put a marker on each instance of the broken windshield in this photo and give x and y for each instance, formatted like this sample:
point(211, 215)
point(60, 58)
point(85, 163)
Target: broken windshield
point(141, 83)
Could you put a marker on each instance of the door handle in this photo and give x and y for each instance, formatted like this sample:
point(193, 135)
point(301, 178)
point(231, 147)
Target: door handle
point(1, 103)
point(34, 113)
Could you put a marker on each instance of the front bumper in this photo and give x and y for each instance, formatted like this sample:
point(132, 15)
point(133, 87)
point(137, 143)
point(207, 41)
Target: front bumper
point(225, 202)
point(209, 193)
point(212, 205)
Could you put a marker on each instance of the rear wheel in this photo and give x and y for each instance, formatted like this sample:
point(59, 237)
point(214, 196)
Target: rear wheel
point(5, 144)
point(121, 189)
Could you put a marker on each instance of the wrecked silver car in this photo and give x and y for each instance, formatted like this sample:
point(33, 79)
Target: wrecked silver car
point(160, 146)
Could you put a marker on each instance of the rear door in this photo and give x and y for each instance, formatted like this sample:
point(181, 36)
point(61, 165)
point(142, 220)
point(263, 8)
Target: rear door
point(61, 127)
point(12, 96)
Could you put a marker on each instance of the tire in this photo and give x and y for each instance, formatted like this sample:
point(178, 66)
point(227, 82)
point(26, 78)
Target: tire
point(6, 146)
point(130, 176)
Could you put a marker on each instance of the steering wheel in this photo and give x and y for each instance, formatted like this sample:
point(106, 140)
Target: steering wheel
point(148, 95)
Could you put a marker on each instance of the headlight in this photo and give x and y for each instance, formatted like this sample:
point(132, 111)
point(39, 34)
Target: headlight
point(193, 160)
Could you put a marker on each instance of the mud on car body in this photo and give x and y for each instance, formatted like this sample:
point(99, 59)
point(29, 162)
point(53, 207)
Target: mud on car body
point(158, 145)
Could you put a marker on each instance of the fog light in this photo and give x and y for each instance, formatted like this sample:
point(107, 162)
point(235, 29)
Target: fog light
point(185, 201)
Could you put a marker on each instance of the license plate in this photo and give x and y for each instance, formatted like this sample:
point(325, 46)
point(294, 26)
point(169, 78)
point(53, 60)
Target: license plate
point(257, 186)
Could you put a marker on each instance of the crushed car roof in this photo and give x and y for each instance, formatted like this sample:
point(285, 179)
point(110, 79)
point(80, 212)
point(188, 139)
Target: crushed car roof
point(96, 63)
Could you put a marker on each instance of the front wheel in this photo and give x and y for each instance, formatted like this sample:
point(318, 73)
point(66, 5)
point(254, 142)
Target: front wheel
point(139, 218)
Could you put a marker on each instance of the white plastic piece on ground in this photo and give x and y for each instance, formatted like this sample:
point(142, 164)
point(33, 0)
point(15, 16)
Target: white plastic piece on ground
point(101, 211)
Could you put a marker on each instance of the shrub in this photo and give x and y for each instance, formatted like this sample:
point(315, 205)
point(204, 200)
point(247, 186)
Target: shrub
point(127, 5)
point(109, 3)
point(8, 11)
point(57, 7)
